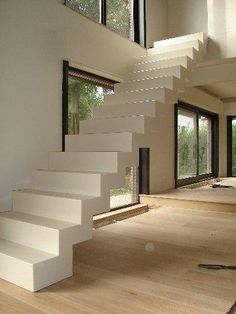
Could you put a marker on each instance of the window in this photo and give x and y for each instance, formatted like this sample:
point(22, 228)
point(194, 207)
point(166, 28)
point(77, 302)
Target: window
point(126, 17)
point(196, 144)
point(231, 146)
point(81, 92)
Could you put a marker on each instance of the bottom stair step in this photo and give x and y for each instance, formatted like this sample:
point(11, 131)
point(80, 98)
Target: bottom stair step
point(18, 262)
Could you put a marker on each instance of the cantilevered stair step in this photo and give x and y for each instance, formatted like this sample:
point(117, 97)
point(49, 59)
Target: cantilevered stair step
point(151, 56)
point(158, 64)
point(177, 71)
point(170, 82)
point(54, 205)
point(18, 263)
point(88, 183)
point(147, 108)
point(33, 231)
point(109, 162)
point(180, 42)
point(115, 142)
point(161, 94)
point(136, 124)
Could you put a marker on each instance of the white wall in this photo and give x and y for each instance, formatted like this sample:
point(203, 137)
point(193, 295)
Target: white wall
point(35, 37)
point(162, 167)
point(156, 23)
point(186, 17)
point(222, 28)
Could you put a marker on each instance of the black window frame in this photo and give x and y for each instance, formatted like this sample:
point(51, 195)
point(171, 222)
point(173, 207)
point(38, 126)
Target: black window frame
point(144, 153)
point(229, 146)
point(139, 18)
point(214, 147)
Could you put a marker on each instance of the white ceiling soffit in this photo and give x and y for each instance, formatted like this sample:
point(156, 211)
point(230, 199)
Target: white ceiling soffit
point(216, 77)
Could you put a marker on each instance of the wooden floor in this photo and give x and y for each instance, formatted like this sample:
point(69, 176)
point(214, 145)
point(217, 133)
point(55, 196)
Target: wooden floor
point(146, 264)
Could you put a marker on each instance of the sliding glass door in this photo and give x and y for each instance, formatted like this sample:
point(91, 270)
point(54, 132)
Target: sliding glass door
point(196, 144)
point(231, 146)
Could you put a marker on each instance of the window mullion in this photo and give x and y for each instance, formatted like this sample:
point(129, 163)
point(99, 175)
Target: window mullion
point(197, 126)
point(103, 4)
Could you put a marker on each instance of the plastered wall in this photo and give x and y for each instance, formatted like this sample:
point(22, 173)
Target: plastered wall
point(35, 36)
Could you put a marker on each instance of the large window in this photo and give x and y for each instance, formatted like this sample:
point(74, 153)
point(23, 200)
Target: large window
point(231, 146)
point(81, 92)
point(196, 144)
point(125, 17)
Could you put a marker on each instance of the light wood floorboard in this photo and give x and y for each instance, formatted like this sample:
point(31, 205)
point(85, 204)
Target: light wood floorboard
point(145, 264)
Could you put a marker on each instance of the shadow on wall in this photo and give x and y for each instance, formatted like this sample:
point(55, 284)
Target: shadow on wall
point(216, 25)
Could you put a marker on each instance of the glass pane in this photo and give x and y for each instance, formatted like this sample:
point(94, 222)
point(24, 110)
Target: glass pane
point(129, 193)
point(119, 17)
point(234, 147)
point(90, 8)
point(187, 143)
point(204, 145)
point(82, 97)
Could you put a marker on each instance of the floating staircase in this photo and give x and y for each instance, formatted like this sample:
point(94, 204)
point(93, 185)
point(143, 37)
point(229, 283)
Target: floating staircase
point(37, 235)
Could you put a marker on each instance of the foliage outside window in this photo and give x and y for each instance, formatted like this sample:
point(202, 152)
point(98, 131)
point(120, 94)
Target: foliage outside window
point(116, 14)
point(194, 145)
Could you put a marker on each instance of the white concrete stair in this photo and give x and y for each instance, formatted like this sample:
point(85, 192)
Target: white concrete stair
point(88, 183)
point(177, 71)
point(37, 236)
point(159, 64)
point(159, 94)
point(44, 232)
point(147, 108)
point(109, 162)
point(155, 55)
point(135, 124)
point(169, 82)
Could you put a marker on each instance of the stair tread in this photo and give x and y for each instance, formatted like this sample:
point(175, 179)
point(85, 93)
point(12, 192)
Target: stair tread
point(162, 60)
point(81, 197)
point(23, 253)
point(37, 220)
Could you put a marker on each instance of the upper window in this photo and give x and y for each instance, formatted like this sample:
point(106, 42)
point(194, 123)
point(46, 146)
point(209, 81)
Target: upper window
point(122, 16)
point(196, 140)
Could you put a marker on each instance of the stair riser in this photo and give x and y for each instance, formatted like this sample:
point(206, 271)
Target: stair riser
point(48, 206)
point(160, 48)
point(167, 82)
point(182, 39)
point(184, 61)
point(72, 182)
point(29, 234)
point(99, 142)
point(126, 124)
point(190, 52)
point(152, 94)
point(175, 71)
point(146, 109)
point(104, 162)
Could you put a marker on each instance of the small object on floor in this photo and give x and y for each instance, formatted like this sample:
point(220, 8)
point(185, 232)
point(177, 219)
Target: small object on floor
point(221, 186)
point(217, 267)
point(232, 310)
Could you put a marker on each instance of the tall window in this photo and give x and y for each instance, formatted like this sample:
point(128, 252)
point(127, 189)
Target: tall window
point(196, 141)
point(126, 17)
point(231, 146)
point(85, 91)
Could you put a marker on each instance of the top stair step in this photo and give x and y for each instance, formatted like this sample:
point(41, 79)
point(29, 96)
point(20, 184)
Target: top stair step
point(181, 40)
